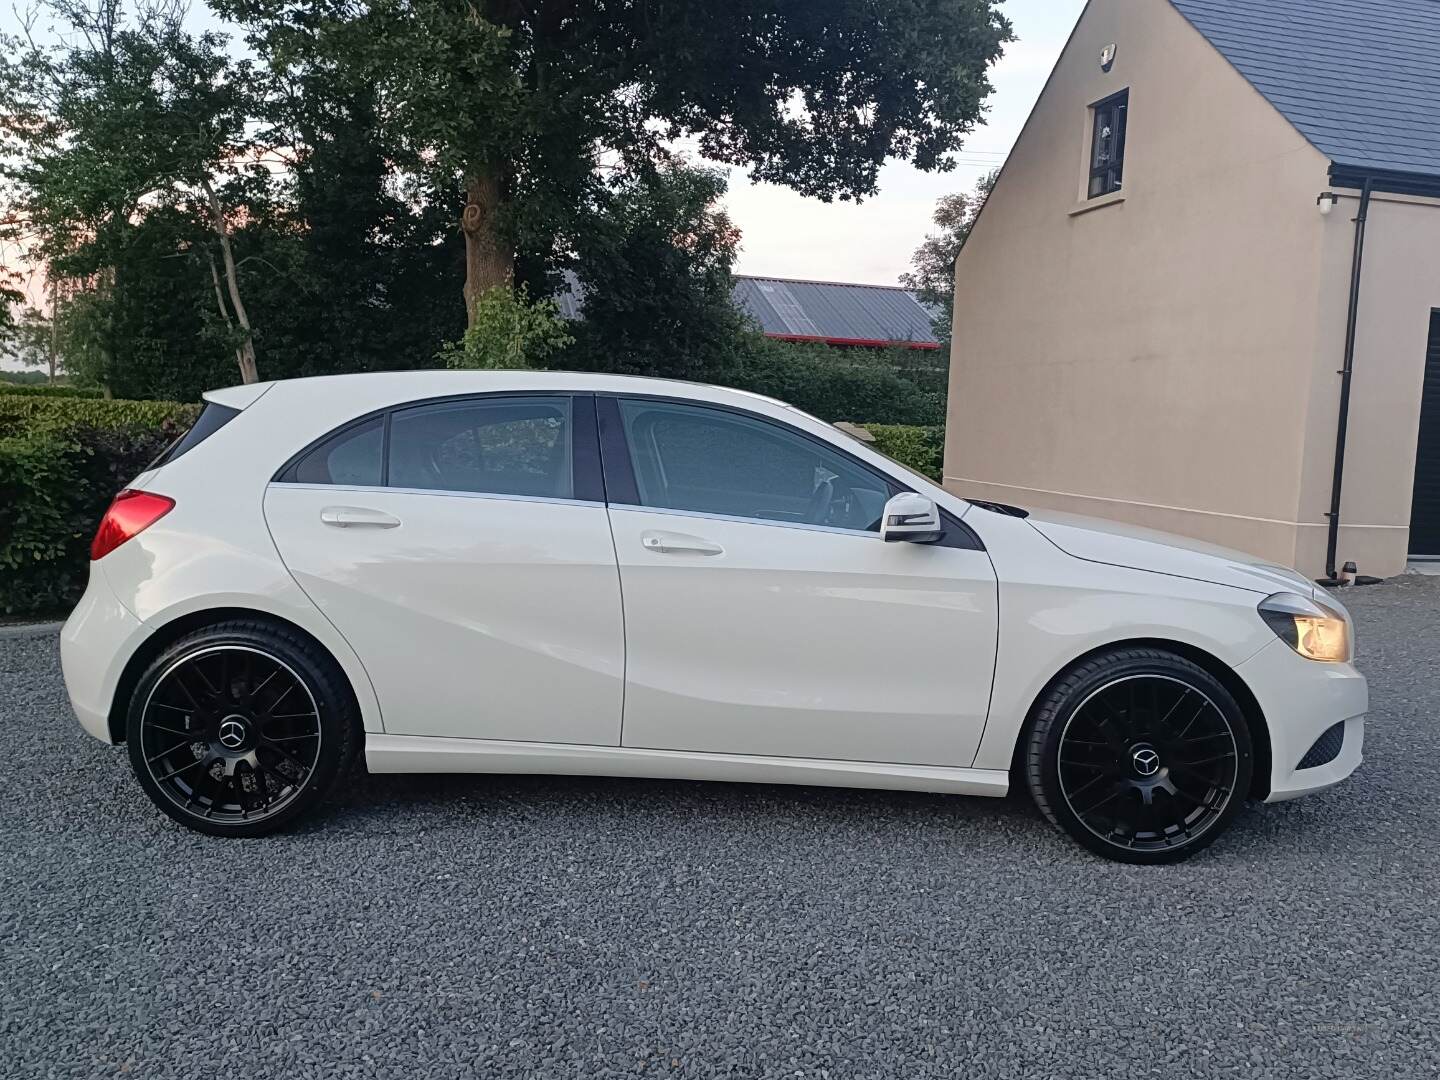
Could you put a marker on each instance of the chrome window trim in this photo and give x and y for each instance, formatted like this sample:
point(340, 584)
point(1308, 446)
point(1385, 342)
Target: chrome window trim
point(493, 496)
point(703, 515)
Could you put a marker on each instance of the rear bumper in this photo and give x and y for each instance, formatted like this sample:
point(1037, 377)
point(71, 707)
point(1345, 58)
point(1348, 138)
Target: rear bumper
point(96, 643)
point(1301, 699)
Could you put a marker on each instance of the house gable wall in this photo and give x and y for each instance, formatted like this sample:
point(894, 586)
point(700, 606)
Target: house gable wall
point(1151, 358)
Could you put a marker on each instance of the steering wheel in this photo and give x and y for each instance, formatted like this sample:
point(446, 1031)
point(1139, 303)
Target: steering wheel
point(818, 512)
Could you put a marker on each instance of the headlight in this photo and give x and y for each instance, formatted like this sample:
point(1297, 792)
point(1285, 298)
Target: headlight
point(1314, 630)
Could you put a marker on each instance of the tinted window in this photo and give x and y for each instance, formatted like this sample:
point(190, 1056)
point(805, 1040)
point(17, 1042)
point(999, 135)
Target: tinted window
point(688, 457)
point(351, 457)
point(504, 446)
point(211, 419)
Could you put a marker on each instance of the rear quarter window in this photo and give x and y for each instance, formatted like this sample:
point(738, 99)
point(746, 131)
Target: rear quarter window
point(351, 457)
point(212, 418)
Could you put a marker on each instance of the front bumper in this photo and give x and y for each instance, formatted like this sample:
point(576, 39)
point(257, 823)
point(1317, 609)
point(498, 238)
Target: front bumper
point(97, 641)
point(1301, 699)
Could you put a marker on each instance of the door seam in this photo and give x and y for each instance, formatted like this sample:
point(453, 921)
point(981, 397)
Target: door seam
point(359, 660)
point(624, 630)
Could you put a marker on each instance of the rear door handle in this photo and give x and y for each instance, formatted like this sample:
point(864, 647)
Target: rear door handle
point(668, 543)
point(353, 517)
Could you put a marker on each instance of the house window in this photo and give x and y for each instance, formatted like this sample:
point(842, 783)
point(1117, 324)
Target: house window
point(1107, 146)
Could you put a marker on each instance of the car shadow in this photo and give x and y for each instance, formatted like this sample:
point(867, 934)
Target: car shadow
point(633, 809)
point(387, 800)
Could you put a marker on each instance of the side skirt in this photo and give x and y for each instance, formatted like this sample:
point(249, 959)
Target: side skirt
point(424, 754)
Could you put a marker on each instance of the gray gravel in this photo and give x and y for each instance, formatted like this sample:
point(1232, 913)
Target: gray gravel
point(436, 927)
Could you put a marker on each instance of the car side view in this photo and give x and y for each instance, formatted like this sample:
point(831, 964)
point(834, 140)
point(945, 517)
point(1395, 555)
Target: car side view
point(541, 572)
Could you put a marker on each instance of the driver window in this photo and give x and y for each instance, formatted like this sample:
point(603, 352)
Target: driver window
point(689, 457)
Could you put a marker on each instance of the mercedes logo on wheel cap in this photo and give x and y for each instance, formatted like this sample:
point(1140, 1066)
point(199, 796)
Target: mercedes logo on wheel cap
point(1146, 761)
point(232, 733)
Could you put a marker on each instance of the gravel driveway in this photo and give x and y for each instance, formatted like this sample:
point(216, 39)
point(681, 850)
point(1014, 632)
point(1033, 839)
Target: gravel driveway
point(551, 928)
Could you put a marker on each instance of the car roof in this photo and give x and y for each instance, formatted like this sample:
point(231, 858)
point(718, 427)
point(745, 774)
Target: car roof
point(372, 390)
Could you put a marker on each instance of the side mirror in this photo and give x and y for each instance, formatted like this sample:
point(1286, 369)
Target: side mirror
point(911, 518)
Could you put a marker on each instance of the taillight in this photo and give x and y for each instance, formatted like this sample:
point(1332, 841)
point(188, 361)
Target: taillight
point(131, 513)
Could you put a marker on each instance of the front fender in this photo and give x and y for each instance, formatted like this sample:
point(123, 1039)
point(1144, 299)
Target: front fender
point(1055, 608)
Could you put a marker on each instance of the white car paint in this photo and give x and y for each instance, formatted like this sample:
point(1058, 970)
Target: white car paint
point(521, 596)
point(410, 754)
point(1116, 544)
point(778, 644)
point(508, 634)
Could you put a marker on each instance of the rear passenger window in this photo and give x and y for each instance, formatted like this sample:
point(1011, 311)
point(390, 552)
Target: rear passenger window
point(504, 446)
point(352, 457)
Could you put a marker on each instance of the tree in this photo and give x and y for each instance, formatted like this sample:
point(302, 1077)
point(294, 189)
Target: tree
point(654, 266)
point(32, 340)
point(153, 328)
point(11, 301)
point(128, 117)
point(510, 331)
point(933, 277)
point(354, 263)
point(338, 264)
point(504, 110)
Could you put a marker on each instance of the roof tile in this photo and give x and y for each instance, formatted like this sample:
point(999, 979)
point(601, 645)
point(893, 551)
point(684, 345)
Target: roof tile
point(1359, 78)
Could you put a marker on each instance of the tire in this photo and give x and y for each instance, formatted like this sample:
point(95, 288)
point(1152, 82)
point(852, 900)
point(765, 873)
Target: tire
point(1140, 755)
point(239, 728)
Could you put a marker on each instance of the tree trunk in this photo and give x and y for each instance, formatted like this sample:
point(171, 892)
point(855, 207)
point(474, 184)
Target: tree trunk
point(245, 351)
point(224, 311)
point(489, 260)
point(54, 350)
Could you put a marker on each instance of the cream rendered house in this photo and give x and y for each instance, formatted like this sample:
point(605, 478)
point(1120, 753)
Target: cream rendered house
point(1156, 311)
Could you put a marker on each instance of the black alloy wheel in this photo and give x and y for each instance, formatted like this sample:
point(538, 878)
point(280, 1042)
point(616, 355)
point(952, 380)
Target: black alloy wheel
point(1140, 755)
point(236, 729)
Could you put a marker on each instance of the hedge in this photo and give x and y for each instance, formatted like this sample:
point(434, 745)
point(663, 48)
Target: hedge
point(50, 390)
point(61, 461)
point(834, 384)
point(921, 448)
point(24, 411)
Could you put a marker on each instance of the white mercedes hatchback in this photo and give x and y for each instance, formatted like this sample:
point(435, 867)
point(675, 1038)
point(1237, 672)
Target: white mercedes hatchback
point(526, 572)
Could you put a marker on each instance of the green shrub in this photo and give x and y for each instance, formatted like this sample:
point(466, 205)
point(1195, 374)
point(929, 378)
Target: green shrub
point(836, 384)
point(511, 331)
point(921, 448)
point(61, 461)
point(22, 411)
point(49, 390)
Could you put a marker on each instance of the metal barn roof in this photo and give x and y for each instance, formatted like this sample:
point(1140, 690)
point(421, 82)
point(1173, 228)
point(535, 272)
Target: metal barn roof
point(831, 312)
point(835, 313)
point(1360, 79)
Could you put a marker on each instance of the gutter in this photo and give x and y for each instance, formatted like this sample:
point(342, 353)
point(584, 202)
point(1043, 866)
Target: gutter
point(1347, 373)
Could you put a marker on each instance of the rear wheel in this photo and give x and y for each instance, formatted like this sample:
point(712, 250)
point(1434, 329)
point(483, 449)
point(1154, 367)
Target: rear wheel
point(240, 727)
point(1140, 755)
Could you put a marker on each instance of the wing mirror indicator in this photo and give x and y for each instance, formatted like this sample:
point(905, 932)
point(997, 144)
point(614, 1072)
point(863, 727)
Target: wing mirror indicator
point(911, 518)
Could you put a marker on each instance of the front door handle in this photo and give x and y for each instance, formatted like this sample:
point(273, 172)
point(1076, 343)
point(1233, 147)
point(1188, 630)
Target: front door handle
point(668, 543)
point(352, 517)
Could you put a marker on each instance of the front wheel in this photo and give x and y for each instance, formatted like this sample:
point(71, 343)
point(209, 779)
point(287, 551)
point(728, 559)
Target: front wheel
point(1140, 755)
point(238, 728)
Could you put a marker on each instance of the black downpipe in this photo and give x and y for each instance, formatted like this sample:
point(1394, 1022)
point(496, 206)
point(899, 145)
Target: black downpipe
point(1346, 373)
